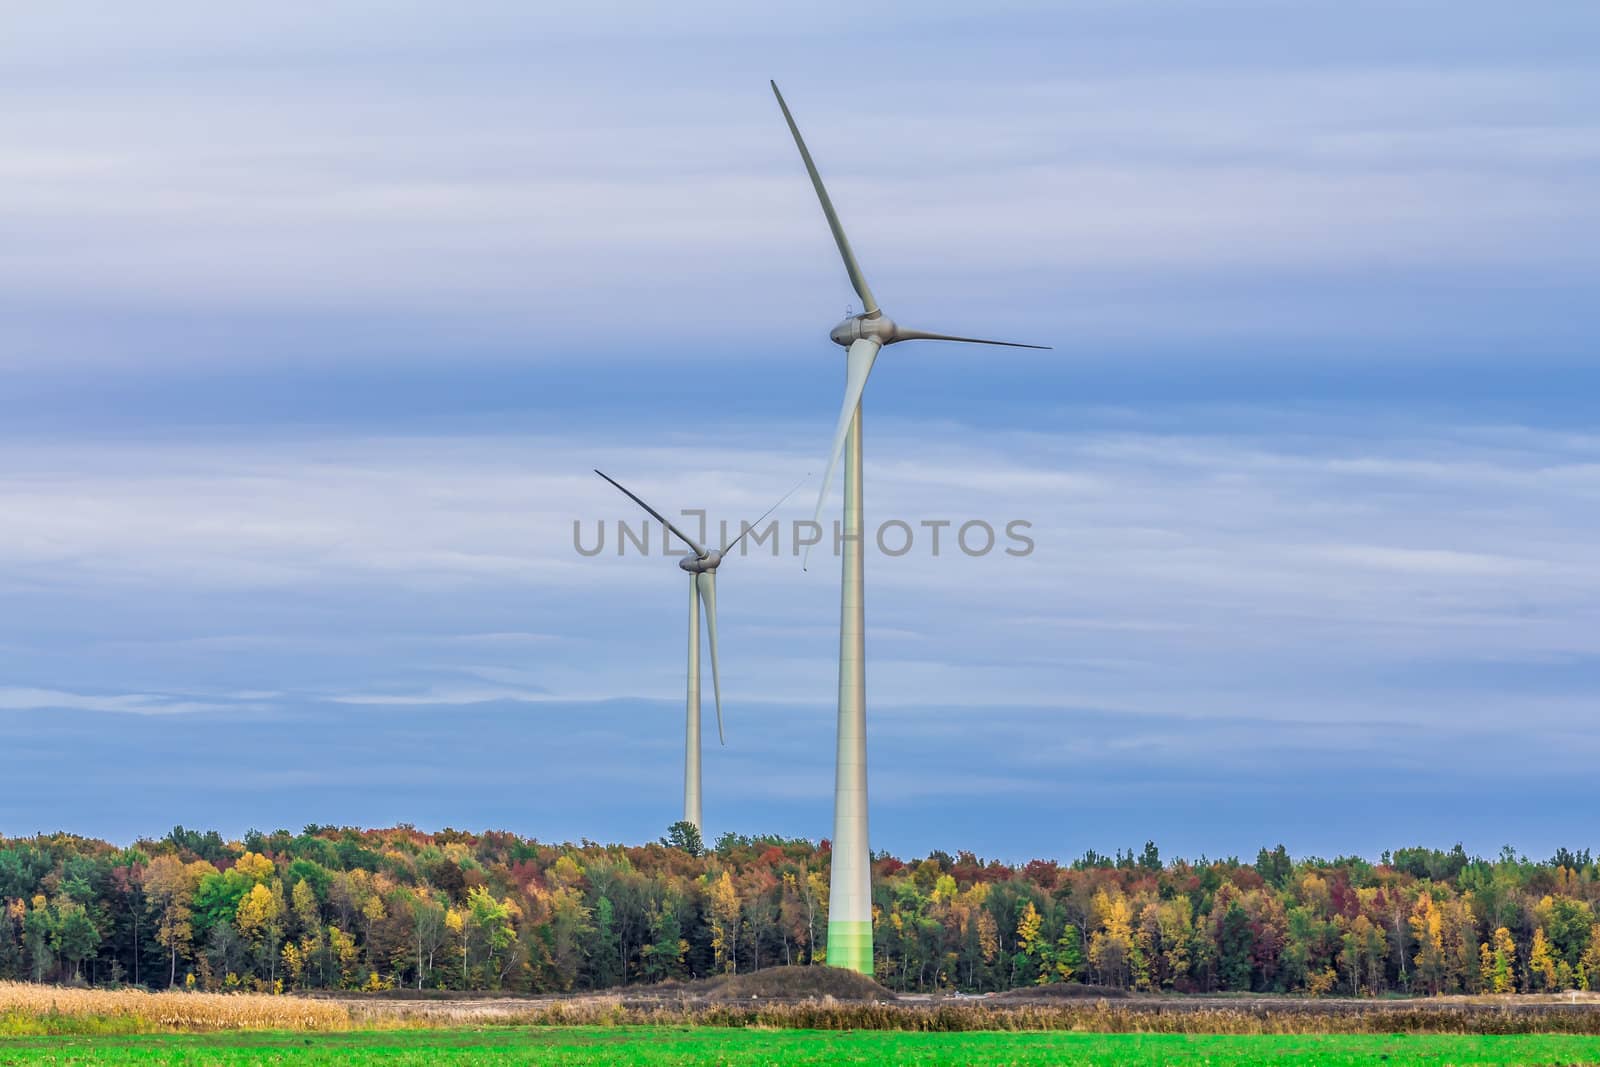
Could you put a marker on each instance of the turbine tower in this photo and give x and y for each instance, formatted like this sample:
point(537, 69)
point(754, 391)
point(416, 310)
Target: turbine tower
point(863, 336)
point(702, 567)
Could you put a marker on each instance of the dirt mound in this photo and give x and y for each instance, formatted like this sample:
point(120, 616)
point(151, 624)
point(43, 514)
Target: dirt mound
point(796, 983)
point(1057, 991)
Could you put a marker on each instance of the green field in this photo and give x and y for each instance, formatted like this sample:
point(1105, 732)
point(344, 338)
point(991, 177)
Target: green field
point(650, 1046)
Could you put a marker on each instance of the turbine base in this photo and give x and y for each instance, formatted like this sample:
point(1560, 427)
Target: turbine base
point(850, 945)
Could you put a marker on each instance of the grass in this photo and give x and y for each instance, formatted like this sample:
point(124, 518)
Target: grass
point(673, 1046)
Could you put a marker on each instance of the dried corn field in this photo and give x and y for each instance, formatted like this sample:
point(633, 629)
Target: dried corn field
point(30, 1008)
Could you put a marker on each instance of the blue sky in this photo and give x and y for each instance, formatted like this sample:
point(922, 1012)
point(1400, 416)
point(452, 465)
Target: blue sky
point(314, 322)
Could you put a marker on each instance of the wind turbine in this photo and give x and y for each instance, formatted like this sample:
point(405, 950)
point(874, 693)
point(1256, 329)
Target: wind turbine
point(863, 335)
point(702, 567)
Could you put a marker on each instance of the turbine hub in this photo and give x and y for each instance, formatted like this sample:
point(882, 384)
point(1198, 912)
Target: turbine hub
point(875, 327)
point(696, 565)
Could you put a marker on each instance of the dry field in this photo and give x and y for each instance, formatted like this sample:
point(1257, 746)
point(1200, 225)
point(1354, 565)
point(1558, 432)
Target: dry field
point(731, 1003)
point(26, 1008)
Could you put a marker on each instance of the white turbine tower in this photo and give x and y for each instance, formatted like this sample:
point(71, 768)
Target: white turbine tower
point(702, 567)
point(863, 335)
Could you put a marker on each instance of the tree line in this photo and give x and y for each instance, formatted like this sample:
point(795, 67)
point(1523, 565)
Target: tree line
point(341, 908)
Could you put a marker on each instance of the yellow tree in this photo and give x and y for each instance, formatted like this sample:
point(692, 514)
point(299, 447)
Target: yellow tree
point(294, 963)
point(372, 913)
point(817, 889)
point(307, 913)
point(260, 919)
point(1498, 963)
point(565, 873)
point(458, 922)
point(1111, 948)
point(1028, 930)
point(345, 953)
point(988, 936)
point(725, 923)
point(1315, 894)
point(1175, 919)
point(1427, 926)
point(254, 866)
point(1541, 965)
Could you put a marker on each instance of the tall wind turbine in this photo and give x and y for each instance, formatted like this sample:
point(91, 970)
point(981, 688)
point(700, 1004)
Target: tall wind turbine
point(702, 567)
point(863, 335)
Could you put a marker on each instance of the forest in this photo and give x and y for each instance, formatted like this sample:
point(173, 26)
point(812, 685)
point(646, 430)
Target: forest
point(349, 909)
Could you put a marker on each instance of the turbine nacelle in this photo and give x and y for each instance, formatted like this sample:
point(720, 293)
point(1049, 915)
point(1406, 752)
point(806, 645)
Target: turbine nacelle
point(701, 564)
point(872, 327)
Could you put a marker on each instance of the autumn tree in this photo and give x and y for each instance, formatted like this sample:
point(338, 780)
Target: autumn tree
point(350, 908)
point(724, 922)
point(1427, 926)
point(169, 886)
point(260, 919)
point(1111, 947)
point(1498, 962)
point(1541, 965)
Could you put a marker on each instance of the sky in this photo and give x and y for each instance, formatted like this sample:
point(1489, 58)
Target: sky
point(314, 320)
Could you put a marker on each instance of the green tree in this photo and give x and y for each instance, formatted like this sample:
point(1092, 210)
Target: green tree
point(38, 938)
point(662, 957)
point(216, 899)
point(1234, 941)
point(490, 933)
point(685, 836)
point(1275, 866)
point(1063, 960)
point(74, 935)
point(1566, 923)
point(607, 945)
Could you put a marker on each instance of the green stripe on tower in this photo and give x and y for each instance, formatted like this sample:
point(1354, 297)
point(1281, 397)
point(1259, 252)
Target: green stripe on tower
point(850, 945)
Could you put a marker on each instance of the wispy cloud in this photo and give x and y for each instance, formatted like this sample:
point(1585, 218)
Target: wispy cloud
point(15, 698)
point(442, 696)
point(1186, 557)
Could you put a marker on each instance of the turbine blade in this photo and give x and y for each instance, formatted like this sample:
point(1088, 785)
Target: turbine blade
point(731, 545)
point(858, 365)
point(922, 335)
point(706, 582)
point(857, 279)
point(662, 519)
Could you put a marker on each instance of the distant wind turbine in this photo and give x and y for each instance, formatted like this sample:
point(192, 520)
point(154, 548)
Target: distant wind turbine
point(863, 335)
point(702, 567)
